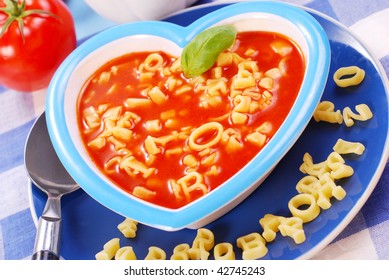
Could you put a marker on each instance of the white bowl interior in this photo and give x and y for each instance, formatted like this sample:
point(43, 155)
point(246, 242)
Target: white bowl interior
point(271, 23)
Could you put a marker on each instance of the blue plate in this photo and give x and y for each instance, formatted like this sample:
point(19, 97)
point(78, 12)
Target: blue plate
point(87, 225)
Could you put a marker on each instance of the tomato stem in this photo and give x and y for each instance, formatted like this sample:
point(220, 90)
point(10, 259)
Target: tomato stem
point(16, 12)
point(14, 6)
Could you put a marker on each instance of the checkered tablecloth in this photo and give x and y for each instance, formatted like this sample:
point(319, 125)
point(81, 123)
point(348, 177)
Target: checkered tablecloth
point(366, 237)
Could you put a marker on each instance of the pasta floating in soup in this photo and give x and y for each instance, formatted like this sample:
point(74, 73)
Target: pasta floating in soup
point(168, 139)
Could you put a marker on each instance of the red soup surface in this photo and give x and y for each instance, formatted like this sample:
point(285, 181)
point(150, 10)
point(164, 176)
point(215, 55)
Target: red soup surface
point(168, 139)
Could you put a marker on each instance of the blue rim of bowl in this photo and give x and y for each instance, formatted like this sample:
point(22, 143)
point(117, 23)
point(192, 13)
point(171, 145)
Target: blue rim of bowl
point(298, 118)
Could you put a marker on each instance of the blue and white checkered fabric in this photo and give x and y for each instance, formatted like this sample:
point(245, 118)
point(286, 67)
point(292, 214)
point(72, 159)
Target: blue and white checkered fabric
point(366, 237)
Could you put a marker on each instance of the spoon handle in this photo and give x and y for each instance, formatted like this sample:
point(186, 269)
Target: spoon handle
point(44, 255)
point(49, 231)
point(47, 239)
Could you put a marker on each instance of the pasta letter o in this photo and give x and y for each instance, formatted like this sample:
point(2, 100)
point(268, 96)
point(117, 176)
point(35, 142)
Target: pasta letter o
point(307, 214)
point(349, 76)
point(207, 128)
point(224, 251)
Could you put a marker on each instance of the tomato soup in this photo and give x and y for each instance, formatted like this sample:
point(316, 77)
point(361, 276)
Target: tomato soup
point(168, 139)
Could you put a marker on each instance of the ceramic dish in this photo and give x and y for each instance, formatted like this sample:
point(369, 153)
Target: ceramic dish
point(72, 74)
point(88, 225)
point(123, 11)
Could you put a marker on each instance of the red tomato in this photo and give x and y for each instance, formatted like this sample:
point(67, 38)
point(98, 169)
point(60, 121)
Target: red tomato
point(39, 36)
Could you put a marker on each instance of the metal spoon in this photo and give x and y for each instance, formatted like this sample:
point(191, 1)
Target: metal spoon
point(47, 172)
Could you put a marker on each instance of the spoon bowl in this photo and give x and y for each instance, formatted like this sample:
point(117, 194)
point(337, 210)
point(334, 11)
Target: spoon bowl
point(47, 172)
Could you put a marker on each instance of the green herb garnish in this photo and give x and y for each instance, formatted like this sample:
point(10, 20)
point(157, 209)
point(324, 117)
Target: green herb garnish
point(201, 53)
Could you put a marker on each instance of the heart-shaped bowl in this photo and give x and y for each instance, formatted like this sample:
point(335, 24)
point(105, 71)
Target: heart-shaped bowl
point(63, 101)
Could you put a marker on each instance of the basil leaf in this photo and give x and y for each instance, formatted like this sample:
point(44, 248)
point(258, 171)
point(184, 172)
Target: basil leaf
point(201, 53)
